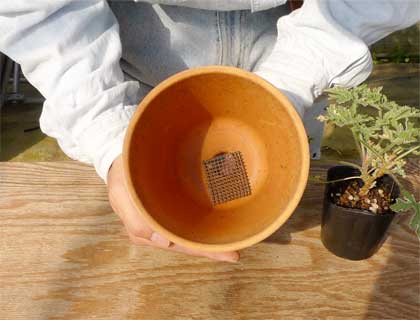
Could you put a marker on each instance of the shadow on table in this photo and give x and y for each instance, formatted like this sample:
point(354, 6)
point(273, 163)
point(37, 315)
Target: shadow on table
point(396, 293)
point(306, 216)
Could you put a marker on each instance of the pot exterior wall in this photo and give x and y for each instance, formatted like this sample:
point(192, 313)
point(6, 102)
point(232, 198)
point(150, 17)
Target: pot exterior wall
point(349, 233)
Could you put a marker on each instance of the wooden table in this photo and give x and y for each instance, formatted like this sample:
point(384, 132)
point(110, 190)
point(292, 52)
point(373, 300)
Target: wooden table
point(65, 255)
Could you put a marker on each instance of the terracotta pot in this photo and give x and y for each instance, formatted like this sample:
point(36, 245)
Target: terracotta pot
point(194, 116)
point(353, 234)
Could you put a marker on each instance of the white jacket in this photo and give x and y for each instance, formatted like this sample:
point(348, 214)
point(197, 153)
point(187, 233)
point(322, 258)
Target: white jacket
point(88, 104)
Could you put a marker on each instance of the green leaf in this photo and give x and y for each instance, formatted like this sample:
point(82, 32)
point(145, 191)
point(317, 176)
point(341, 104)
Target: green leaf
point(386, 131)
point(408, 202)
point(401, 206)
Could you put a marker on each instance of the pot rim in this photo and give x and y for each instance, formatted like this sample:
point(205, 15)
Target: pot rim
point(354, 210)
point(303, 149)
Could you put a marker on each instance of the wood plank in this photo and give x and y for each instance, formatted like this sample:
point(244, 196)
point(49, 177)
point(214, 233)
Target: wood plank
point(65, 255)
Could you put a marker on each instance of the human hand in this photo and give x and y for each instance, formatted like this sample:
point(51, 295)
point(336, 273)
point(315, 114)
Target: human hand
point(138, 230)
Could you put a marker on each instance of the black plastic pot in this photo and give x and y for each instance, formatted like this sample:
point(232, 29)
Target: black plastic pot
point(353, 234)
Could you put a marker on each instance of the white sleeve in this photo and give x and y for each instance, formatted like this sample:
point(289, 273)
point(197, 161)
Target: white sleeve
point(326, 43)
point(70, 51)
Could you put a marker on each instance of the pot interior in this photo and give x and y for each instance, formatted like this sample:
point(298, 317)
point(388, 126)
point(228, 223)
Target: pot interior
point(195, 119)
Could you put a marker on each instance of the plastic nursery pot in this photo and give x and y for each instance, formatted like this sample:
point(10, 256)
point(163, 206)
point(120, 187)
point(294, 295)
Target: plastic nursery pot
point(349, 233)
point(195, 116)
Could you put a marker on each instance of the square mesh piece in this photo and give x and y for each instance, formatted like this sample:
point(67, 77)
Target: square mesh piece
point(227, 178)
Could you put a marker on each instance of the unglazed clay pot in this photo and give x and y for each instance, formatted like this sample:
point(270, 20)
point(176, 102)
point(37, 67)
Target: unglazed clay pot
point(195, 116)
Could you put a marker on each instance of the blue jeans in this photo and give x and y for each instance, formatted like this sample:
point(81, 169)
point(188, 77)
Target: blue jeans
point(159, 41)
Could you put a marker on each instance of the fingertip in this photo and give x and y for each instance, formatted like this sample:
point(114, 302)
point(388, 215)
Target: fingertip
point(238, 256)
point(229, 257)
point(160, 240)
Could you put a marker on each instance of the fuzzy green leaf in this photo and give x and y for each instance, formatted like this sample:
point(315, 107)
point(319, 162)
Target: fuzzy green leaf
point(408, 202)
point(385, 131)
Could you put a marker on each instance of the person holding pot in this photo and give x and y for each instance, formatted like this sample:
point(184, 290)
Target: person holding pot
point(94, 60)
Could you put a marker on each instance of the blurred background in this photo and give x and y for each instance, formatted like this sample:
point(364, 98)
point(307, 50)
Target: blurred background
point(396, 68)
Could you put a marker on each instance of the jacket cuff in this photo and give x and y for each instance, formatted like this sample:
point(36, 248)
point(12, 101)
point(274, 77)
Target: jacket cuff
point(103, 141)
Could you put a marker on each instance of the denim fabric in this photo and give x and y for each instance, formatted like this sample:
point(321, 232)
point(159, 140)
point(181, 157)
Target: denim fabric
point(159, 41)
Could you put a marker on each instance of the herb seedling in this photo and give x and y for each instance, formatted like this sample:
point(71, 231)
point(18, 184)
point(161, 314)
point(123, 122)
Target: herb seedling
point(385, 134)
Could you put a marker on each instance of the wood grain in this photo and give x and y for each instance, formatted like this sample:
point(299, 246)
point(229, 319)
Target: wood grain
point(65, 255)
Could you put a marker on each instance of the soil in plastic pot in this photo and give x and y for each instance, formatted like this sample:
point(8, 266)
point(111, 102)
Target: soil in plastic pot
point(355, 233)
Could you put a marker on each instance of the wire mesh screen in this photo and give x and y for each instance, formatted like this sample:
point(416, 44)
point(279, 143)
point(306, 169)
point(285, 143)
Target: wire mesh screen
point(227, 178)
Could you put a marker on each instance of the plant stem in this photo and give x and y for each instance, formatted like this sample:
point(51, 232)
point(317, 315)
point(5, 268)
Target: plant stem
point(371, 170)
point(330, 181)
point(370, 149)
point(370, 179)
point(406, 153)
point(351, 164)
point(359, 147)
